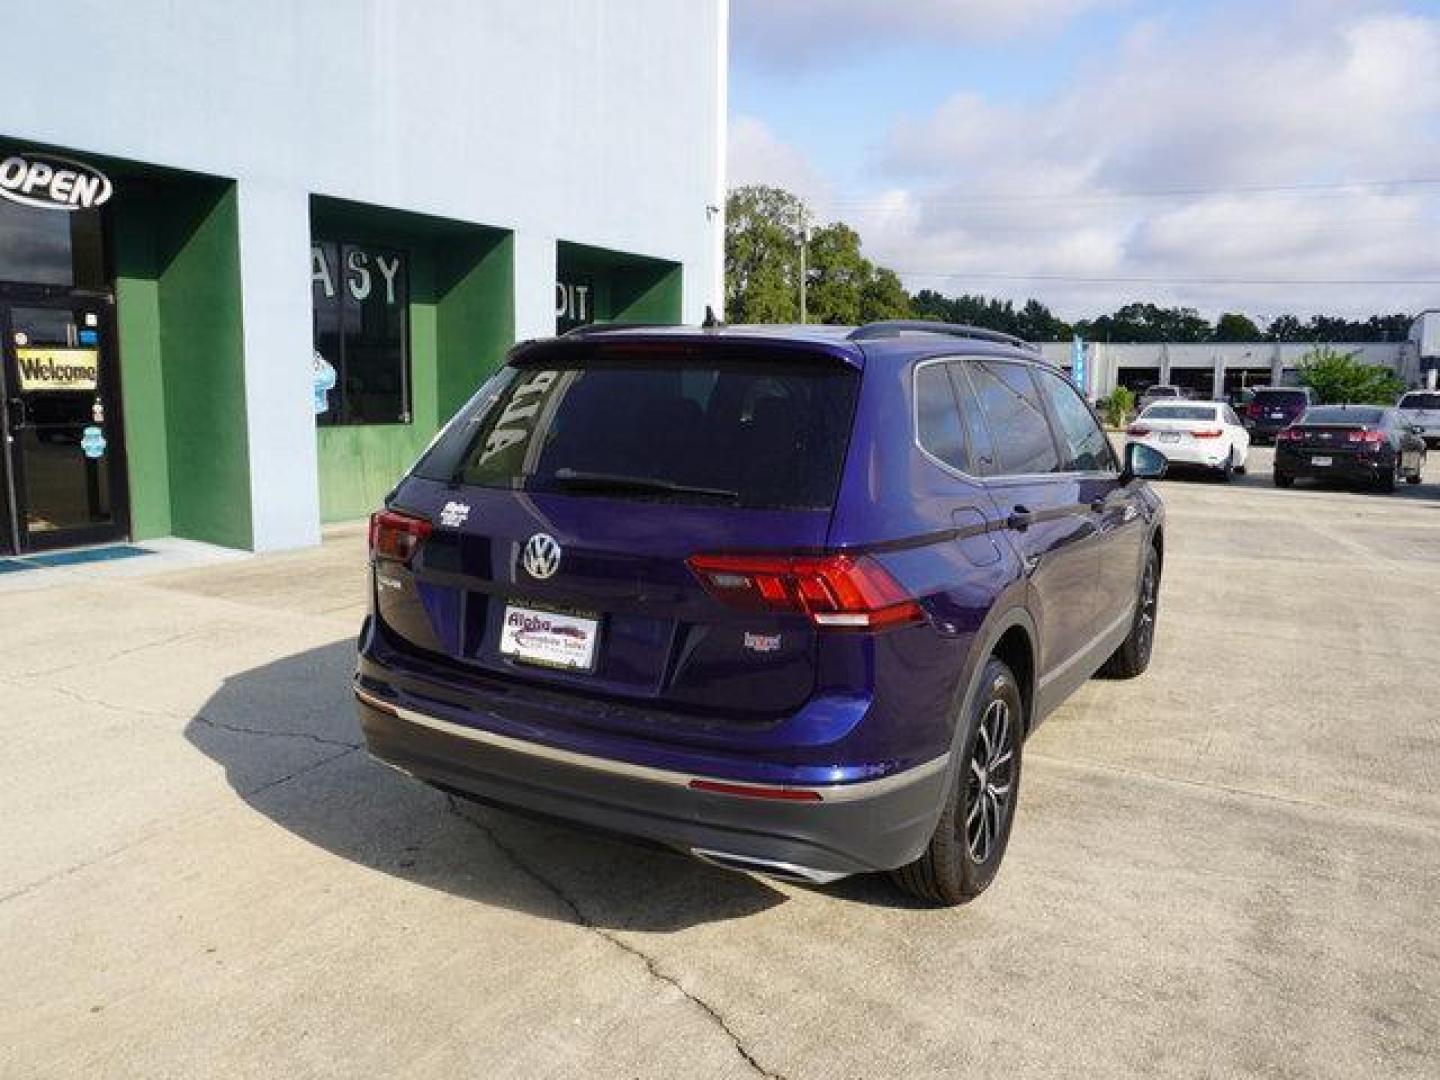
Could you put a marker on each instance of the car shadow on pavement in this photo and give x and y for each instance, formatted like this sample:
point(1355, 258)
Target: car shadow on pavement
point(288, 739)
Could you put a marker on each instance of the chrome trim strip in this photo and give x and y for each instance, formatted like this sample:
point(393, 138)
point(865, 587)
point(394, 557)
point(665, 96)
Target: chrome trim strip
point(999, 479)
point(750, 864)
point(862, 789)
point(1084, 650)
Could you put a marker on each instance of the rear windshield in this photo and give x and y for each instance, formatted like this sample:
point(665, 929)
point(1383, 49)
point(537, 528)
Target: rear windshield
point(1179, 412)
point(1420, 401)
point(1334, 414)
point(1163, 391)
point(1282, 397)
point(729, 432)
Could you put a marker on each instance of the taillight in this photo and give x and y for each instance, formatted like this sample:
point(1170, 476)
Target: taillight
point(1366, 436)
point(1137, 429)
point(851, 592)
point(1254, 409)
point(1288, 435)
point(1208, 433)
point(396, 536)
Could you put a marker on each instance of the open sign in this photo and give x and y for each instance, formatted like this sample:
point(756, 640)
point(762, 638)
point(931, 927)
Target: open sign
point(53, 183)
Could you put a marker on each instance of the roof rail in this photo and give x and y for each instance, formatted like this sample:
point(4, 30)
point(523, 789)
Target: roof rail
point(586, 329)
point(895, 327)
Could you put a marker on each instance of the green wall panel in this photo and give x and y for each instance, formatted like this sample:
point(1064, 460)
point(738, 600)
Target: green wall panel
point(627, 287)
point(203, 357)
point(142, 386)
point(175, 253)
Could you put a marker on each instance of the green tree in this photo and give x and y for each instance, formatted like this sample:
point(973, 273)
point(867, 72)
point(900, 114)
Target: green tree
point(1341, 379)
point(1233, 326)
point(762, 266)
point(762, 255)
point(1144, 322)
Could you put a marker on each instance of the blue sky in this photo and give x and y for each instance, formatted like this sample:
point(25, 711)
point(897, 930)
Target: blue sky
point(1045, 147)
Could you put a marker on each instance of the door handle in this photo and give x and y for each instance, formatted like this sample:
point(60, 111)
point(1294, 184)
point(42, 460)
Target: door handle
point(1020, 519)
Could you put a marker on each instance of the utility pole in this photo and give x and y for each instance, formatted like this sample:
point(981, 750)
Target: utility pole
point(804, 242)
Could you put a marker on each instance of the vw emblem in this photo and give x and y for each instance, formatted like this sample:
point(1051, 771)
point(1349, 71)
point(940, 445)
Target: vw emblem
point(541, 557)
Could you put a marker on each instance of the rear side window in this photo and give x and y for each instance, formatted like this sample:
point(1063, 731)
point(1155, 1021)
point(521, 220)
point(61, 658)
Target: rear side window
point(1420, 401)
point(937, 418)
point(1087, 448)
point(1011, 405)
point(753, 434)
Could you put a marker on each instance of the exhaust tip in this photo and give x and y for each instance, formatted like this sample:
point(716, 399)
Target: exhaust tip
point(782, 871)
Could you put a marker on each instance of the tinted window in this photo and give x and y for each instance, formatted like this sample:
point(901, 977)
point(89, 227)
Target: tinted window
point(1179, 412)
point(1336, 414)
point(360, 301)
point(937, 417)
point(983, 461)
point(1086, 447)
point(691, 432)
point(1282, 397)
point(1420, 401)
point(1012, 409)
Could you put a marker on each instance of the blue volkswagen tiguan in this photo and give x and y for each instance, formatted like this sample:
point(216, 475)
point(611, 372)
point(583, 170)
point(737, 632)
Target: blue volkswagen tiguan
point(786, 598)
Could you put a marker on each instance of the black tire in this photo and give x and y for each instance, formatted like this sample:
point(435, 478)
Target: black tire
point(1386, 482)
point(1133, 656)
point(1415, 477)
point(1226, 472)
point(974, 829)
point(1284, 480)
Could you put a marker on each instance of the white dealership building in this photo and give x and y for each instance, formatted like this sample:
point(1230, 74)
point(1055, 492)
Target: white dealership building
point(253, 254)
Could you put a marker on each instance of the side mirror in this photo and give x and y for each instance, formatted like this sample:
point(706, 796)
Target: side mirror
point(1416, 429)
point(1143, 463)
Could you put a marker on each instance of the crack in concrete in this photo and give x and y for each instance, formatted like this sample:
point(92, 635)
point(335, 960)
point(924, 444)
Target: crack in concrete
point(652, 966)
point(201, 718)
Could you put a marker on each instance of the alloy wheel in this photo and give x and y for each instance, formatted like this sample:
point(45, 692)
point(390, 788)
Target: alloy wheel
point(990, 781)
point(1149, 602)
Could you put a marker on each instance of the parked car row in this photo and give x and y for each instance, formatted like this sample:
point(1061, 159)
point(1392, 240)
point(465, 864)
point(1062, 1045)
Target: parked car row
point(1353, 443)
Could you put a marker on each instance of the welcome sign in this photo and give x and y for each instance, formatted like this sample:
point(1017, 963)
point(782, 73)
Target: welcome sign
point(58, 369)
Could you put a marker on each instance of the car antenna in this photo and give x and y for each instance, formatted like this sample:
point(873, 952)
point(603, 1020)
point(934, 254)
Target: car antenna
point(711, 322)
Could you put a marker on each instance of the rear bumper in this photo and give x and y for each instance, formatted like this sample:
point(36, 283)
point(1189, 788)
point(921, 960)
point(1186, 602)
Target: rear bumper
point(1209, 455)
point(852, 828)
point(1343, 467)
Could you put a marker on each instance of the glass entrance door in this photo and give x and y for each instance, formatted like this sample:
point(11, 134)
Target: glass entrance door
point(61, 434)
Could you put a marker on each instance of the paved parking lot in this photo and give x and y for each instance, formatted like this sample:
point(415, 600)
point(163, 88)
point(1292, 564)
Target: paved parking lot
point(1228, 867)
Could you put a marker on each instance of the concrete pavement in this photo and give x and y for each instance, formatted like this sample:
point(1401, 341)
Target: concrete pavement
point(1224, 868)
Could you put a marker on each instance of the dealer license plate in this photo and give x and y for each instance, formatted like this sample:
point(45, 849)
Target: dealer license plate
point(1322, 461)
point(1169, 436)
point(555, 639)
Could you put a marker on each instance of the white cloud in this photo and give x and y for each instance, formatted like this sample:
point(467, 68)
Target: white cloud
point(757, 156)
point(791, 32)
point(1193, 119)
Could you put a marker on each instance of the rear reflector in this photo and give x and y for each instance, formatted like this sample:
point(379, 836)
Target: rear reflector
point(396, 536)
point(843, 592)
point(375, 703)
point(754, 791)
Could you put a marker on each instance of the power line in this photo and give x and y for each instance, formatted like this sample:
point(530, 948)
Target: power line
point(1319, 282)
point(1103, 198)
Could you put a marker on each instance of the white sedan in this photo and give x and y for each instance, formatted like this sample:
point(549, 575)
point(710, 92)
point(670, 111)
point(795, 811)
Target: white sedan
point(1203, 433)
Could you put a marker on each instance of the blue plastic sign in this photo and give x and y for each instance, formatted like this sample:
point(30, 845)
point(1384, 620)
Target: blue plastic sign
point(323, 383)
point(92, 441)
point(1078, 374)
point(89, 337)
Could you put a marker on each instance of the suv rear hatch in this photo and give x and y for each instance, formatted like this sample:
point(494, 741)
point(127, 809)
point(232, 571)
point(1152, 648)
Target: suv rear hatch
point(564, 503)
point(1276, 408)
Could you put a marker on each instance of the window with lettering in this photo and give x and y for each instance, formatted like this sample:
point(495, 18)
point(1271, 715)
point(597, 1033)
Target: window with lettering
point(362, 334)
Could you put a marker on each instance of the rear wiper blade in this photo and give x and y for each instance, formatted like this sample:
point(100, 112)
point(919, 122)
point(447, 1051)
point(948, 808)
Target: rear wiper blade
point(600, 481)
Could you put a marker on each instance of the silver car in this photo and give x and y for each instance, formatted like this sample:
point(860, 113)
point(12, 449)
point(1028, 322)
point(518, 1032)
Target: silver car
point(1421, 409)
